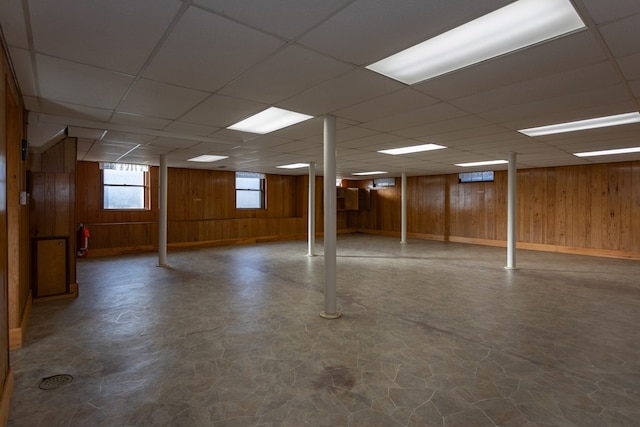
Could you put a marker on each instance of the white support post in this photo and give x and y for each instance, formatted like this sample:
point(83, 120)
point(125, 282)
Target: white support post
point(311, 214)
point(162, 223)
point(403, 212)
point(511, 213)
point(330, 221)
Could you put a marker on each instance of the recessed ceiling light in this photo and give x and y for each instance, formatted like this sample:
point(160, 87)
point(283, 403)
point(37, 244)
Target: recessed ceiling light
point(608, 152)
point(515, 26)
point(294, 166)
point(269, 120)
point(598, 122)
point(485, 163)
point(369, 173)
point(412, 149)
point(207, 158)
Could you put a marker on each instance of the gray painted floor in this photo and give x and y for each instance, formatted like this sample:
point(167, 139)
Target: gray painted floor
point(432, 334)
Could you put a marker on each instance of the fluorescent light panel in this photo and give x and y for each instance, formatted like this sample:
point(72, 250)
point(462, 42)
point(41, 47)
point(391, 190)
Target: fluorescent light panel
point(369, 173)
point(269, 120)
point(412, 149)
point(207, 158)
point(294, 166)
point(518, 25)
point(608, 152)
point(598, 122)
point(485, 163)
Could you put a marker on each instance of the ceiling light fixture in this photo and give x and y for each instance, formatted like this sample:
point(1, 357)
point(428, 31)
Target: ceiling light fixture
point(369, 173)
point(207, 158)
point(598, 122)
point(294, 166)
point(485, 163)
point(608, 152)
point(269, 120)
point(515, 26)
point(412, 149)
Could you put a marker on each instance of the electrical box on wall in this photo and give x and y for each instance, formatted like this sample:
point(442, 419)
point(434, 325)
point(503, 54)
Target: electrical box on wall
point(24, 198)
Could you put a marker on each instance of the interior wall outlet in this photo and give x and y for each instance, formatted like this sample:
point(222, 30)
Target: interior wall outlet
point(24, 196)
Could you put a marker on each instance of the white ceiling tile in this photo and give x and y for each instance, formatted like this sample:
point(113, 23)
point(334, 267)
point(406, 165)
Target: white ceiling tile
point(24, 69)
point(222, 111)
point(79, 84)
point(369, 30)
point(71, 110)
point(384, 140)
point(565, 108)
point(136, 120)
point(284, 74)
point(308, 128)
point(31, 103)
point(430, 114)
point(630, 66)
point(386, 105)
point(341, 92)
point(351, 132)
point(605, 11)
point(464, 124)
point(206, 51)
point(551, 86)
point(162, 141)
point(39, 133)
point(635, 87)
point(286, 18)
point(86, 134)
point(562, 54)
point(264, 142)
point(13, 24)
point(115, 137)
point(84, 30)
point(162, 100)
point(179, 127)
point(261, 54)
point(616, 35)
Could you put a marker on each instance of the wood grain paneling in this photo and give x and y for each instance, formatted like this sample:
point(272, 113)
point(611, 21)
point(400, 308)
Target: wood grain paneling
point(8, 101)
point(17, 218)
point(201, 210)
point(594, 207)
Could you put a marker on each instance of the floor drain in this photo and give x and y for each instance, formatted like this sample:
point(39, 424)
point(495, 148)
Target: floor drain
point(55, 381)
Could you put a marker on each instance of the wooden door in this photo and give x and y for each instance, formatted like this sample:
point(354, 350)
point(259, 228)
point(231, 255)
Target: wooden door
point(51, 267)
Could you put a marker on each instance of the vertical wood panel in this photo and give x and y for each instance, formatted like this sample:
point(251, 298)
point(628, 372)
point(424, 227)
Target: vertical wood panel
point(564, 206)
point(5, 92)
point(634, 216)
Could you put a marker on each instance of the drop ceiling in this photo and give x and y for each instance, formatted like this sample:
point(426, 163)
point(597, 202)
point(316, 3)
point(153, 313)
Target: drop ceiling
point(133, 80)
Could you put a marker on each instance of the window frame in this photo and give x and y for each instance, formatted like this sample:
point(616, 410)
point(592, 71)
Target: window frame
point(262, 189)
point(145, 186)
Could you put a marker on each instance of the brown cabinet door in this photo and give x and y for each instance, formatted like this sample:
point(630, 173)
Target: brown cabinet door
point(51, 267)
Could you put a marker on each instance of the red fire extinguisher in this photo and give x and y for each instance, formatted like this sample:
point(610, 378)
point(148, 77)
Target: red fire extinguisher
point(83, 241)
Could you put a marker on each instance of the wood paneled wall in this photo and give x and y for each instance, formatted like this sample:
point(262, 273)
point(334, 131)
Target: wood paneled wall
point(53, 197)
point(11, 134)
point(17, 222)
point(591, 209)
point(201, 211)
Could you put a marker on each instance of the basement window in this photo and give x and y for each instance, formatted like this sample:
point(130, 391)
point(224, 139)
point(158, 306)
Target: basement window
point(125, 186)
point(250, 190)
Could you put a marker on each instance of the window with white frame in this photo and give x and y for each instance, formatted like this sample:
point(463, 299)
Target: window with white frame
point(250, 190)
point(125, 186)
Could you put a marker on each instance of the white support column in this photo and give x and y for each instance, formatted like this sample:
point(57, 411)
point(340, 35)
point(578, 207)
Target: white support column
point(311, 214)
point(511, 213)
point(330, 222)
point(403, 212)
point(162, 223)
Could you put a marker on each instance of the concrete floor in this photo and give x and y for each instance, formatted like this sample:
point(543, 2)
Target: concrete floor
point(432, 334)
